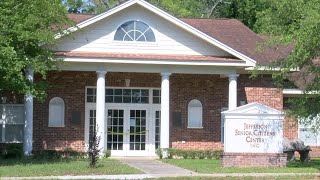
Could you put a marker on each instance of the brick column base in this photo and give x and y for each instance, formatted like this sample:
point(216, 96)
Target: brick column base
point(254, 160)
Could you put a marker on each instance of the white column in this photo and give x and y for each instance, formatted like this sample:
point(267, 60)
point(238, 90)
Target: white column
point(28, 120)
point(165, 110)
point(100, 106)
point(233, 91)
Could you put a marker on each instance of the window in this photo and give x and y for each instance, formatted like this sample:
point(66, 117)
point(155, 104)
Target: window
point(307, 131)
point(195, 114)
point(11, 123)
point(156, 96)
point(125, 95)
point(56, 112)
point(134, 31)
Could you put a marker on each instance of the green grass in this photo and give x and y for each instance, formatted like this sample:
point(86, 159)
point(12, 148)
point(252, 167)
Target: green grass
point(244, 178)
point(213, 166)
point(33, 167)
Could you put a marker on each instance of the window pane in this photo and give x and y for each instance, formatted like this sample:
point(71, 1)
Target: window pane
point(118, 91)
point(109, 99)
point(140, 26)
point(144, 92)
point(156, 100)
point(127, 26)
point(119, 35)
point(109, 92)
point(150, 36)
point(308, 136)
point(127, 92)
point(145, 100)
point(0, 132)
point(14, 133)
point(156, 92)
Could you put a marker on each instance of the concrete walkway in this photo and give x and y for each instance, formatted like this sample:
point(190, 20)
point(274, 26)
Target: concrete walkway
point(156, 168)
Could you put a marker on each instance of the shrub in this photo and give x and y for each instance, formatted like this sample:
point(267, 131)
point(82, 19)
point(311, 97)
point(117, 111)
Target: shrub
point(14, 151)
point(93, 150)
point(54, 154)
point(159, 153)
point(106, 153)
point(190, 154)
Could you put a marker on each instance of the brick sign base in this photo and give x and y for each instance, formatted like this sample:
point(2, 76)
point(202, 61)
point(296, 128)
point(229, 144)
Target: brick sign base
point(254, 160)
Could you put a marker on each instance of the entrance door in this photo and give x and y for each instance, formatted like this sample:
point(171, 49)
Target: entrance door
point(127, 132)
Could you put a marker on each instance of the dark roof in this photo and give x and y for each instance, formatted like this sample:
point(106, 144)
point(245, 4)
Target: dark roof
point(231, 32)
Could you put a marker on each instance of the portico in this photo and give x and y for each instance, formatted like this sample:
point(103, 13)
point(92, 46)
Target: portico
point(117, 121)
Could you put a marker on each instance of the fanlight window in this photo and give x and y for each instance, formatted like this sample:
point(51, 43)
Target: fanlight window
point(134, 31)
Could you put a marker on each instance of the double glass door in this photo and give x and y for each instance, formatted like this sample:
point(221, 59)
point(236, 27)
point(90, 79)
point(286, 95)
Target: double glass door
point(127, 132)
point(130, 131)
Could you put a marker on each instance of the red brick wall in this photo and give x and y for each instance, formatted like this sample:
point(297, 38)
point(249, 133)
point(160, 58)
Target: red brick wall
point(211, 90)
point(71, 87)
point(260, 89)
point(253, 160)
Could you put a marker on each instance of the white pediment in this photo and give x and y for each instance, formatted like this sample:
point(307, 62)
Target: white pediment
point(173, 36)
point(254, 109)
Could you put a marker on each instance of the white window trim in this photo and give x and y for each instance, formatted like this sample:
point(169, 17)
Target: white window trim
point(52, 122)
point(193, 127)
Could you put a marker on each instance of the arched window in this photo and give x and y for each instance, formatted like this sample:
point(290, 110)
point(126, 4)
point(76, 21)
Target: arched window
point(56, 112)
point(134, 31)
point(194, 114)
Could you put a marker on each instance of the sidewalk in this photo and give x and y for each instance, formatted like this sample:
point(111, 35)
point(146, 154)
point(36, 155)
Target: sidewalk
point(156, 168)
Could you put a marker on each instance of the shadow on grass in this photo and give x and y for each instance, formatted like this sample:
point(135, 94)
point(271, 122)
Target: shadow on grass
point(31, 160)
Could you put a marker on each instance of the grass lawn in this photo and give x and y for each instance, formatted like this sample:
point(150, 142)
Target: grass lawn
point(33, 167)
point(213, 166)
point(244, 178)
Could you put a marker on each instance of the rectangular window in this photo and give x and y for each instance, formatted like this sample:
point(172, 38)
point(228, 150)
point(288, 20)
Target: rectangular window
point(11, 123)
point(156, 96)
point(157, 128)
point(120, 95)
point(307, 133)
point(92, 125)
point(91, 95)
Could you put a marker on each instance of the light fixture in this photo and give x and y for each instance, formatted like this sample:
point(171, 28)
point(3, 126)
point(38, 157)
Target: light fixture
point(127, 82)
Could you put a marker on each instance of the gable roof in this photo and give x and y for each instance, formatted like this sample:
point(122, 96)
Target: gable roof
point(228, 34)
point(179, 23)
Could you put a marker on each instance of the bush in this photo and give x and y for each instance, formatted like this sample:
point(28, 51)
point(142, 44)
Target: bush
point(93, 150)
point(190, 154)
point(159, 153)
point(14, 151)
point(54, 154)
point(106, 153)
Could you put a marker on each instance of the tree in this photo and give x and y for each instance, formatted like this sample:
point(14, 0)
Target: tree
point(296, 22)
point(24, 27)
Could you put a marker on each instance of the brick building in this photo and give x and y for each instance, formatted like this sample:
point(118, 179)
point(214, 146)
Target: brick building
point(149, 80)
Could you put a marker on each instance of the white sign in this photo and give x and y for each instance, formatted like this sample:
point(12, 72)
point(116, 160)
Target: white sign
point(253, 128)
